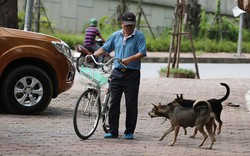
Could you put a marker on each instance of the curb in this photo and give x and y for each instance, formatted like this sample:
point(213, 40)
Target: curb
point(199, 60)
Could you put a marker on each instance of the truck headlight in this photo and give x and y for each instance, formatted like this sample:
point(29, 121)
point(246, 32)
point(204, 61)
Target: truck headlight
point(63, 48)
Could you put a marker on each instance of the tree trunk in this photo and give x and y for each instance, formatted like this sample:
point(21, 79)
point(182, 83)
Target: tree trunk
point(8, 13)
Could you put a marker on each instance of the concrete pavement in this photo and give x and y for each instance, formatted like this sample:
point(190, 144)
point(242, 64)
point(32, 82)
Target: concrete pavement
point(52, 133)
point(162, 57)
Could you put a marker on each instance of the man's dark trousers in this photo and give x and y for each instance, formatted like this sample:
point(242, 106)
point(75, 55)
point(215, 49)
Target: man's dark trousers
point(125, 81)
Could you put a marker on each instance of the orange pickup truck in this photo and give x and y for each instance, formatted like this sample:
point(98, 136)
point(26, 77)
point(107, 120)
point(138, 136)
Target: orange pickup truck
point(34, 68)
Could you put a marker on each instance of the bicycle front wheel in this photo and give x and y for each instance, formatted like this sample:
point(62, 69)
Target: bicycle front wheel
point(87, 114)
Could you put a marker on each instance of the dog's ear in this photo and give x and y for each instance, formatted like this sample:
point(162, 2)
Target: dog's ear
point(181, 97)
point(154, 105)
point(159, 104)
point(177, 96)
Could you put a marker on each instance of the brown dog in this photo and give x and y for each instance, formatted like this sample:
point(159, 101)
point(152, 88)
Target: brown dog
point(200, 115)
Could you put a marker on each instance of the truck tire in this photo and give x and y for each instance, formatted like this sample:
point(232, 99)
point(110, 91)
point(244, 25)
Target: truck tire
point(26, 90)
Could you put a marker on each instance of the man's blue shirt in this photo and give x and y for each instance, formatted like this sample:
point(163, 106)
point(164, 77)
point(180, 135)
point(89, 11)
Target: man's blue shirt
point(126, 47)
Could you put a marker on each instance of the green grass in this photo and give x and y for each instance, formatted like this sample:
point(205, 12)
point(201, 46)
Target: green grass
point(188, 72)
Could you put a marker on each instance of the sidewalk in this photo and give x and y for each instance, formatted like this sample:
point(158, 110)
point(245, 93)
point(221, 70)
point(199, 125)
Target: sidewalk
point(52, 133)
point(162, 57)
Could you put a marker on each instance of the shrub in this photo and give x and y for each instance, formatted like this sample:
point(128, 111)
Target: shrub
point(71, 39)
point(179, 72)
point(162, 42)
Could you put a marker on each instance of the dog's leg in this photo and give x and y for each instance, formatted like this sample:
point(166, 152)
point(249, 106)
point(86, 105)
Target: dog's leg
point(185, 131)
point(215, 126)
point(217, 118)
point(219, 128)
point(167, 132)
point(209, 127)
point(195, 132)
point(201, 130)
point(176, 131)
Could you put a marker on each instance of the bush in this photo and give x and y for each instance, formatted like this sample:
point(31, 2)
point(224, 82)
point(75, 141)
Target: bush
point(162, 42)
point(159, 44)
point(71, 39)
point(179, 72)
point(185, 45)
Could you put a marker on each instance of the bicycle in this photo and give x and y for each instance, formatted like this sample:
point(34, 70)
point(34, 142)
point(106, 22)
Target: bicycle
point(89, 109)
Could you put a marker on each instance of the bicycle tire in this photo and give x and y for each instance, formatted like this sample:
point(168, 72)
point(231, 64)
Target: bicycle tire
point(105, 116)
point(105, 124)
point(86, 114)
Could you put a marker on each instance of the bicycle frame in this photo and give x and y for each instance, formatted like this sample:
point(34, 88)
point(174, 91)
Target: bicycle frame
point(105, 99)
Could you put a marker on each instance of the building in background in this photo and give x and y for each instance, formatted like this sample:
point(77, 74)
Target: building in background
point(71, 16)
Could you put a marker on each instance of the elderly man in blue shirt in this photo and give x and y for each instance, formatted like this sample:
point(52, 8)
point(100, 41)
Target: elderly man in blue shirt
point(130, 46)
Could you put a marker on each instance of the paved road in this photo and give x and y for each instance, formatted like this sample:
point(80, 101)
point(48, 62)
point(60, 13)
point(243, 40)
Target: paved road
point(206, 70)
point(52, 133)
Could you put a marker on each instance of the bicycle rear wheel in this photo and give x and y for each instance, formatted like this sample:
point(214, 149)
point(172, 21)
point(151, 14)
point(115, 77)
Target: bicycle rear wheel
point(86, 114)
point(105, 123)
point(105, 115)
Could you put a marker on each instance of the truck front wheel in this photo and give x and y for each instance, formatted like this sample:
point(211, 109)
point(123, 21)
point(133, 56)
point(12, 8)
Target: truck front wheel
point(27, 90)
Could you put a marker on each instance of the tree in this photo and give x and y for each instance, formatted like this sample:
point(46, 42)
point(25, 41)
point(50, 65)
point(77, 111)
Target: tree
point(121, 8)
point(194, 16)
point(8, 13)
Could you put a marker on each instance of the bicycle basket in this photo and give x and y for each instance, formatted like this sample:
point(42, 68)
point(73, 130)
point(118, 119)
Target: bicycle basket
point(94, 75)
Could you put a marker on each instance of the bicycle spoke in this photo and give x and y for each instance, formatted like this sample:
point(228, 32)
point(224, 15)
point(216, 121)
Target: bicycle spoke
point(86, 115)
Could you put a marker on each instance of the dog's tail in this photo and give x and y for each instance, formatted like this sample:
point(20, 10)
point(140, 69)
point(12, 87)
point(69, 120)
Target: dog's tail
point(198, 104)
point(227, 92)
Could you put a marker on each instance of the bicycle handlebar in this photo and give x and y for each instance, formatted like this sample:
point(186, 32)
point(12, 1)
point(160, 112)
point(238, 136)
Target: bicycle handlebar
point(105, 64)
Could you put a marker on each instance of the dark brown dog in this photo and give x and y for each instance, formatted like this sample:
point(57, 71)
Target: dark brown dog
point(200, 115)
point(216, 105)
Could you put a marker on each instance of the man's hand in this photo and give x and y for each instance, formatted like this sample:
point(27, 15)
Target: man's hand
point(125, 61)
point(132, 58)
